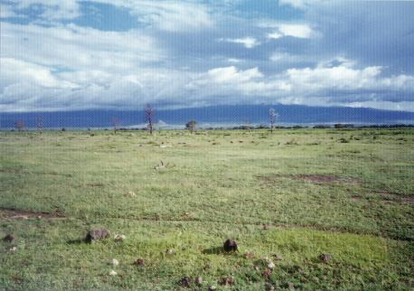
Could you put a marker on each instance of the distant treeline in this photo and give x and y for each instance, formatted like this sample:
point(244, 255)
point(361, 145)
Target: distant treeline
point(321, 126)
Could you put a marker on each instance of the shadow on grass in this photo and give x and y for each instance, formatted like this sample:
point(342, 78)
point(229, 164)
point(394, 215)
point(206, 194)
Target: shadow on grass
point(218, 251)
point(77, 241)
point(214, 251)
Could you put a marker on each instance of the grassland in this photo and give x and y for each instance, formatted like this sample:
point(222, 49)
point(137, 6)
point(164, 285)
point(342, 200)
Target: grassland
point(288, 196)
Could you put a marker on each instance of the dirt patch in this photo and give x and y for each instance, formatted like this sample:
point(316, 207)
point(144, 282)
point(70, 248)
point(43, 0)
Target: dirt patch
point(385, 197)
point(11, 171)
point(408, 199)
point(95, 185)
point(24, 214)
point(314, 178)
point(388, 196)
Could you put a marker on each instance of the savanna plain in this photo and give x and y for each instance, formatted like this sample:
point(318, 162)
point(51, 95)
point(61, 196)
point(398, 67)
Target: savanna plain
point(313, 209)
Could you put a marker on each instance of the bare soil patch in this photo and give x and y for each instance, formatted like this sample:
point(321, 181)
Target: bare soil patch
point(408, 199)
point(14, 171)
point(97, 185)
point(24, 214)
point(314, 178)
point(385, 197)
point(10, 171)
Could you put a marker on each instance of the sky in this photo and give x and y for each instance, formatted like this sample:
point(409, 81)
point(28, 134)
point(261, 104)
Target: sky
point(122, 54)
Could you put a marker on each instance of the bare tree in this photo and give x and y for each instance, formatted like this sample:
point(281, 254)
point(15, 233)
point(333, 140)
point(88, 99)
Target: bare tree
point(248, 125)
point(191, 125)
point(272, 118)
point(115, 124)
point(20, 125)
point(149, 117)
point(39, 124)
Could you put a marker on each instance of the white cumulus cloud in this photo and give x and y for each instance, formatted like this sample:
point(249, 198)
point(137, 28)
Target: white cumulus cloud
point(248, 42)
point(293, 30)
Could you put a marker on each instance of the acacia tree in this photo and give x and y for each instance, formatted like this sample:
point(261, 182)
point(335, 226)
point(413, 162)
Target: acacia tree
point(115, 124)
point(248, 125)
point(39, 124)
point(19, 124)
point(149, 117)
point(191, 125)
point(272, 118)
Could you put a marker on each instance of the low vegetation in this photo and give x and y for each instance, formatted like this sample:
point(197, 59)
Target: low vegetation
point(308, 209)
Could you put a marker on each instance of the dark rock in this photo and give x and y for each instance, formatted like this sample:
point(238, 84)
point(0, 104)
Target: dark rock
point(226, 281)
point(325, 257)
point(185, 282)
point(9, 238)
point(230, 245)
point(139, 262)
point(266, 273)
point(97, 234)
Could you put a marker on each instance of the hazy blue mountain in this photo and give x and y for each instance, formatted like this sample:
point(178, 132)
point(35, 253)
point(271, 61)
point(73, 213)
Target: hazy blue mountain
point(214, 116)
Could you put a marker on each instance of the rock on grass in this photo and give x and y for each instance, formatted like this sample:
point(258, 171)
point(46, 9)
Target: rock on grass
point(9, 238)
point(119, 237)
point(198, 281)
point(97, 234)
point(113, 273)
point(226, 281)
point(185, 282)
point(230, 246)
point(325, 257)
point(139, 262)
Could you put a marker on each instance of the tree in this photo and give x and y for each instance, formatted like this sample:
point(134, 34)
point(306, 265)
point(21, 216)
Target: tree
point(39, 124)
point(248, 125)
point(272, 118)
point(191, 125)
point(19, 124)
point(149, 117)
point(115, 123)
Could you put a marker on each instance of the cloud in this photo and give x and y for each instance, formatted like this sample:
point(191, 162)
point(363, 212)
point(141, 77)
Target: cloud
point(231, 74)
point(330, 83)
point(71, 67)
point(376, 32)
point(77, 48)
point(172, 16)
point(345, 80)
point(301, 4)
point(290, 59)
point(296, 30)
point(168, 15)
point(30, 73)
point(190, 53)
point(7, 11)
point(385, 105)
point(50, 9)
point(248, 42)
point(293, 30)
point(326, 84)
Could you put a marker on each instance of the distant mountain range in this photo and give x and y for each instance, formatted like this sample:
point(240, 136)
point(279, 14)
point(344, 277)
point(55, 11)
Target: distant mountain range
point(213, 116)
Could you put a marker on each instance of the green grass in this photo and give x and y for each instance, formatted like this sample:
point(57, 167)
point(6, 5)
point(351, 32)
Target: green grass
point(294, 193)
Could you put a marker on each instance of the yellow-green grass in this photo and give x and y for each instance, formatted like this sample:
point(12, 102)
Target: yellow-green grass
point(294, 193)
